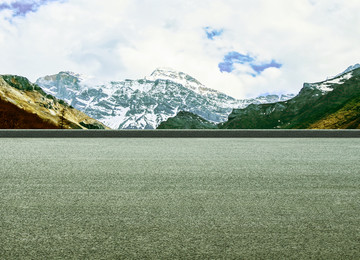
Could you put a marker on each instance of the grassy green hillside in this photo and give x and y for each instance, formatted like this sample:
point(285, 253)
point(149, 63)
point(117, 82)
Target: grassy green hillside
point(307, 110)
point(348, 117)
point(186, 120)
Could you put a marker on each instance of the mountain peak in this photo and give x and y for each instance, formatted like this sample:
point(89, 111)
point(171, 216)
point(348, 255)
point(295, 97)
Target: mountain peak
point(349, 69)
point(181, 78)
point(163, 70)
point(78, 76)
point(70, 73)
point(172, 74)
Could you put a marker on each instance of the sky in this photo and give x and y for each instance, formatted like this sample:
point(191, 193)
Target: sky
point(242, 48)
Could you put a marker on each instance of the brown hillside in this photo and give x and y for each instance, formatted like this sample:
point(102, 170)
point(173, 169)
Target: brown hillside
point(346, 118)
point(12, 117)
point(25, 105)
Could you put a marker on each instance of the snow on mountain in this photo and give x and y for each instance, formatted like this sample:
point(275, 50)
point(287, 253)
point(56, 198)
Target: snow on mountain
point(145, 103)
point(349, 69)
point(329, 85)
point(181, 78)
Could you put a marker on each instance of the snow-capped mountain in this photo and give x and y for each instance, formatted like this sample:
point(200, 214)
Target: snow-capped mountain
point(145, 103)
point(180, 78)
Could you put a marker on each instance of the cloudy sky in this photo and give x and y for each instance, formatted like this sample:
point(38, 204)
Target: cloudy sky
point(243, 48)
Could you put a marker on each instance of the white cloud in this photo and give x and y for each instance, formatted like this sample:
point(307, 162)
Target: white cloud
point(130, 38)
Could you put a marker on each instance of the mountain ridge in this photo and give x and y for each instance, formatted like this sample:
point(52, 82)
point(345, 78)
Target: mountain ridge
point(145, 103)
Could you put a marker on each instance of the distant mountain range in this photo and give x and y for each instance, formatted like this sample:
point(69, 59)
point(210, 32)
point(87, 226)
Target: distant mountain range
point(168, 99)
point(330, 104)
point(145, 103)
point(24, 105)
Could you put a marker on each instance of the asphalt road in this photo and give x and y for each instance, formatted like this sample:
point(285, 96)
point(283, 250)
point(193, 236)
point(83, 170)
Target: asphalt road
point(155, 198)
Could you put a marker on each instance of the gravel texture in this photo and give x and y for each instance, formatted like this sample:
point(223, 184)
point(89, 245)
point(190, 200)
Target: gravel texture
point(179, 198)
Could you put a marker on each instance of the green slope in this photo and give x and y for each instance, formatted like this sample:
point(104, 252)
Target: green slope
point(347, 117)
point(186, 120)
point(309, 107)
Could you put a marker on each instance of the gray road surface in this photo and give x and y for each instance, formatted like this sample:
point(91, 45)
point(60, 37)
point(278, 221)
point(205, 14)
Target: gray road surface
point(179, 198)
